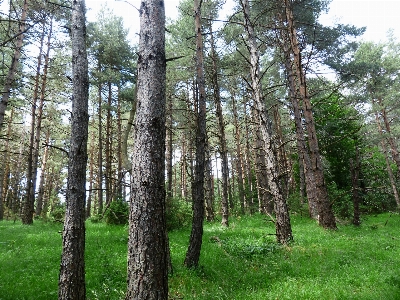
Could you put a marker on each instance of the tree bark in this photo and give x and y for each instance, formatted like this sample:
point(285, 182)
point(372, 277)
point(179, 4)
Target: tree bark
point(355, 167)
point(196, 235)
point(282, 222)
point(100, 203)
point(14, 65)
point(147, 245)
point(72, 271)
point(326, 217)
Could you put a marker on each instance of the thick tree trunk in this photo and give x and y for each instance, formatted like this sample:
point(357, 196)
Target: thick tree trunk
point(193, 252)
point(72, 271)
point(9, 80)
point(302, 149)
point(282, 223)
point(147, 245)
point(326, 217)
point(221, 135)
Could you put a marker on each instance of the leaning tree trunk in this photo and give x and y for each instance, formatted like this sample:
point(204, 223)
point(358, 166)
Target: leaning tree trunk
point(72, 271)
point(302, 149)
point(282, 222)
point(147, 245)
point(326, 217)
point(193, 252)
point(9, 80)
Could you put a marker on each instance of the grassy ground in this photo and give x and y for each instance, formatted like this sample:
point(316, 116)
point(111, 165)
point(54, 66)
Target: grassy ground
point(242, 262)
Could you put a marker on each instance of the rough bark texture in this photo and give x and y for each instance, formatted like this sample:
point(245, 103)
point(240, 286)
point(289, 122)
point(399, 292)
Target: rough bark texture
point(14, 64)
point(72, 271)
point(193, 252)
point(147, 245)
point(282, 223)
point(326, 217)
point(304, 156)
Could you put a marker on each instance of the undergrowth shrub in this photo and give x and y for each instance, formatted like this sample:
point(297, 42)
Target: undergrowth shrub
point(117, 213)
point(248, 248)
point(57, 214)
point(179, 213)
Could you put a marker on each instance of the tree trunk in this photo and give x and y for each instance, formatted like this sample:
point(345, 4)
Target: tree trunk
point(28, 208)
point(209, 187)
point(169, 150)
point(326, 217)
point(355, 167)
point(91, 179)
point(9, 80)
point(388, 167)
point(43, 171)
point(108, 150)
point(38, 129)
point(100, 203)
point(193, 252)
point(282, 223)
point(304, 156)
point(147, 245)
point(221, 134)
point(239, 164)
point(72, 271)
point(391, 141)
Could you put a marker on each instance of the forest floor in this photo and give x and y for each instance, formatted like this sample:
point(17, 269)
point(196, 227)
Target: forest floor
point(239, 262)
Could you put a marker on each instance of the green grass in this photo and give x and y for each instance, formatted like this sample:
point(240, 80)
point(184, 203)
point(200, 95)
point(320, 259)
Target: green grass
point(241, 262)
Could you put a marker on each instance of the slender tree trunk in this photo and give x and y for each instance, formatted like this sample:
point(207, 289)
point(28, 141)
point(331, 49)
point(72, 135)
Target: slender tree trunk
point(5, 168)
point(239, 164)
point(28, 208)
point(390, 139)
point(169, 150)
point(221, 134)
point(100, 156)
point(91, 179)
point(209, 188)
point(38, 130)
point(147, 245)
point(193, 252)
point(326, 217)
point(282, 222)
point(43, 171)
point(355, 174)
point(247, 159)
point(183, 168)
point(9, 80)
point(109, 136)
point(388, 167)
point(120, 183)
point(72, 271)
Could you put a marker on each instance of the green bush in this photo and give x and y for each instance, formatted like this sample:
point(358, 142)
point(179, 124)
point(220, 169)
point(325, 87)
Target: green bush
point(57, 214)
point(179, 213)
point(117, 213)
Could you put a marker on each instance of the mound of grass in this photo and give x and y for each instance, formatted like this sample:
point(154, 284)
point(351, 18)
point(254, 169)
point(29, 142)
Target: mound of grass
point(239, 262)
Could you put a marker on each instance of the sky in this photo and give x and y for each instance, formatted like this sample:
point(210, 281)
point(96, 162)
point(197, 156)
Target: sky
point(377, 15)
